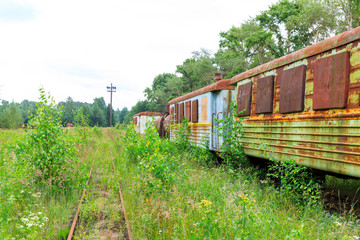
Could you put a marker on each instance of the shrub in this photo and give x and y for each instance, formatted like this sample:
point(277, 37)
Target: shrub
point(231, 130)
point(48, 149)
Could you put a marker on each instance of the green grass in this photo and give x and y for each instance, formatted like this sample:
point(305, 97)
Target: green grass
point(205, 202)
point(170, 193)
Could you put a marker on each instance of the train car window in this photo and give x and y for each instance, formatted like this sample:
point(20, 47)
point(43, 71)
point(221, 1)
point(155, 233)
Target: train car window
point(292, 90)
point(331, 81)
point(181, 112)
point(188, 110)
point(244, 99)
point(264, 95)
point(194, 111)
point(176, 113)
point(168, 108)
point(135, 120)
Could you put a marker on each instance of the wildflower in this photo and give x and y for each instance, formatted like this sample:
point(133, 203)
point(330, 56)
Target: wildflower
point(356, 237)
point(22, 191)
point(337, 223)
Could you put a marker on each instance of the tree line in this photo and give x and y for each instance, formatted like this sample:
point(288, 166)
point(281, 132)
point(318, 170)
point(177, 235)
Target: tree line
point(287, 26)
point(14, 115)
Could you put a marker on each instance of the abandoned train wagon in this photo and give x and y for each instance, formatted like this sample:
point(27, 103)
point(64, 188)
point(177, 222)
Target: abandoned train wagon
point(201, 107)
point(140, 120)
point(305, 106)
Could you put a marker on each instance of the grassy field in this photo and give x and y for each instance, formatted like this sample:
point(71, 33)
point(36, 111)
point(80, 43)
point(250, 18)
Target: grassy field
point(171, 191)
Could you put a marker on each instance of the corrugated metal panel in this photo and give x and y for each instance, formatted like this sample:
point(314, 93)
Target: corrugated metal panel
point(188, 110)
point(244, 99)
point(264, 95)
point(331, 81)
point(292, 90)
point(329, 145)
point(194, 109)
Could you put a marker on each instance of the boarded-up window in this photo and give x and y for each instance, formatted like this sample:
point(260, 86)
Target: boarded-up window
point(176, 113)
point(194, 111)
point(135, 120)
point(181, 113)
point(188, 110)
point(264, 95)
point(204, 106)
point(244, 99)
point(331, 81)
point(292, 90)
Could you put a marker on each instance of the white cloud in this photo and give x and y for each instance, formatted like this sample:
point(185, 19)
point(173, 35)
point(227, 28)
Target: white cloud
point(78, 47)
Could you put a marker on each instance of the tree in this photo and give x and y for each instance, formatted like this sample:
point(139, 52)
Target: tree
point(122, 115)
point(113, 122)
point(161, 91)
point(68, 111)
point(98, 111)
point(11, 116)
point(197, 71)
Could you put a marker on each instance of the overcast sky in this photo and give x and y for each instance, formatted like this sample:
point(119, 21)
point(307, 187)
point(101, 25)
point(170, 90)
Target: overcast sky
point(78, 47)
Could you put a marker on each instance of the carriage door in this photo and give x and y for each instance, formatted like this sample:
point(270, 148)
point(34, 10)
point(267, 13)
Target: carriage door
point(217, 113)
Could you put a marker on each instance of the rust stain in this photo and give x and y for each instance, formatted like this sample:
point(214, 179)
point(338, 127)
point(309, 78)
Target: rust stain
point(204, 106)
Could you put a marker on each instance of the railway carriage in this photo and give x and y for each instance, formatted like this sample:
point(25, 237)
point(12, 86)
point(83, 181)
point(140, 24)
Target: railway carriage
point(201, 107)
point(303, 106)
point(140, 120)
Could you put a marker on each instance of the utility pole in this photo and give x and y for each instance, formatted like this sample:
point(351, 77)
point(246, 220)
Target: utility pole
point(111, 89)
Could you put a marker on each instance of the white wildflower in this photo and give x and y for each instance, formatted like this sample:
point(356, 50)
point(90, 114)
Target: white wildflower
point(337, 223)
point(356, 237)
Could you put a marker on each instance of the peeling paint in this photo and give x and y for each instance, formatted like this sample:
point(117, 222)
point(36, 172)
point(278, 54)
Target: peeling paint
point(355, 75)
point(296, 64)
point(309, 86)
point(355, 56)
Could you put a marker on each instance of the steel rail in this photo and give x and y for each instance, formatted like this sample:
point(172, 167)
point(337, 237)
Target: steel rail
point(127, 223)
point(73, 225)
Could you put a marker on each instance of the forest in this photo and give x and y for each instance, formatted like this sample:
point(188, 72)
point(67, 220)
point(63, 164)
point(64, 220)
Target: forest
point(287, 26)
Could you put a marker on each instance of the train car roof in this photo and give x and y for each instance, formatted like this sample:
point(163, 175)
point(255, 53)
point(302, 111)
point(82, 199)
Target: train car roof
point(147, 113)
point(219, 85)
point(323, 46)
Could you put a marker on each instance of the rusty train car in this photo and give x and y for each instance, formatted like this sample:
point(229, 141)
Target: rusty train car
point(303, 106)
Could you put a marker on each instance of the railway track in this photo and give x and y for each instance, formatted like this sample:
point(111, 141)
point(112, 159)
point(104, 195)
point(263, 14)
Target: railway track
point(107, 220)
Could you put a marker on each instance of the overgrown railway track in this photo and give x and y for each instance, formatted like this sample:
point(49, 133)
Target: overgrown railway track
point(80, 227)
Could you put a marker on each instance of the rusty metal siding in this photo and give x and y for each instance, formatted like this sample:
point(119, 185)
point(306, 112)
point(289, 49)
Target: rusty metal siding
point(244, 94)
point(327, 139)
point(188, 110)
point(292, 90)
point(194, 111)
point(265, 95)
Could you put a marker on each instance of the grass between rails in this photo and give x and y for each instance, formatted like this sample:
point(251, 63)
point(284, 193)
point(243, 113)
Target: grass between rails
point(171, 192)
point(101, 214)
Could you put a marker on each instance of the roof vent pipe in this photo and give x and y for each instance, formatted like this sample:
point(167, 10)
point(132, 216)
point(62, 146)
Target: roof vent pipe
point(218, 77)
